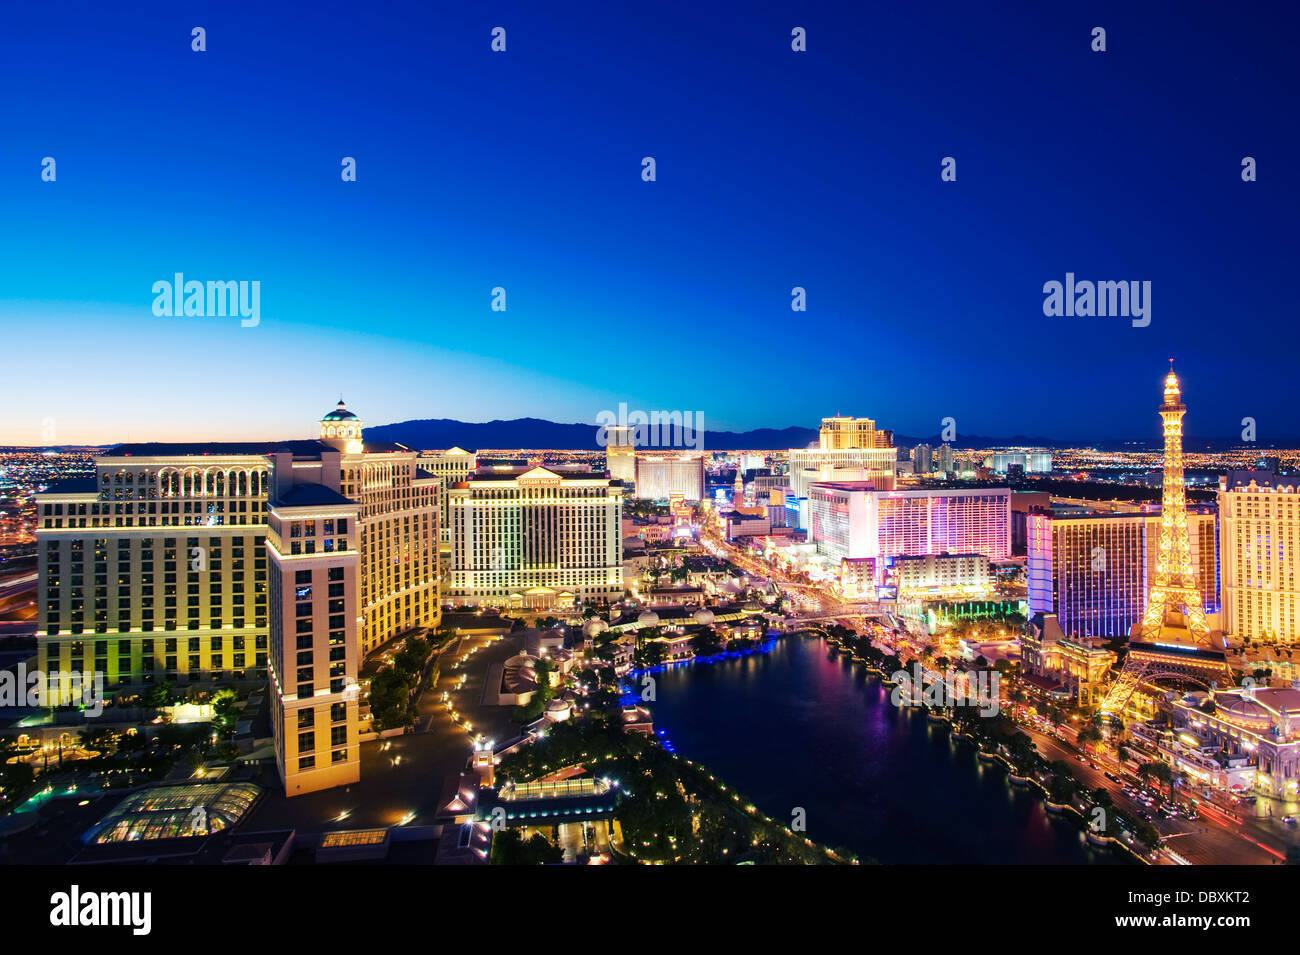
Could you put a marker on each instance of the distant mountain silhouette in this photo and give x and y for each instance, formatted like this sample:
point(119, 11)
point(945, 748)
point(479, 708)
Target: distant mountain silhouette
point(536, 433)
point(539, 434)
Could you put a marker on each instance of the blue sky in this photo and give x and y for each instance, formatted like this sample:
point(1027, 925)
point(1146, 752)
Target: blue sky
point(522, 170)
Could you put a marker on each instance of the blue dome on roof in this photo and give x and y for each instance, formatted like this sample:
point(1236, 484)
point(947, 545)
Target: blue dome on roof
point(341, 413)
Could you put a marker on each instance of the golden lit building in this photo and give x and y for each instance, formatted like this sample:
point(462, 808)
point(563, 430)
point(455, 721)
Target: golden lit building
point(1084, 667)
point(312, 545)
point(157, 569)
point(449, 467)
point(843, 434)
point(849, 449)
point(536, 538)
point(1259, 545)
point(1081, 665)
point(620, 454)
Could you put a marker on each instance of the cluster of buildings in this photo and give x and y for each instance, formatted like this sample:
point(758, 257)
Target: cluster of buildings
point(1091, 563)
point(651, 474)
point(1098, 573)
point(285, 562)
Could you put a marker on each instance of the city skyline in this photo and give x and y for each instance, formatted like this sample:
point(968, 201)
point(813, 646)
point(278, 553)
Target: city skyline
point(132, 432)
point(683, 435)
point(522, 170)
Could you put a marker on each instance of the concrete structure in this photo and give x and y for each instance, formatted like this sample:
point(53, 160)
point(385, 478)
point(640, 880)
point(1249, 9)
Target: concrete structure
point(1030, 462)
point(1093, 564)
point(854, 519)
point(314, 641)
point(858, 578)
point(536, 538)
point(1259, 540)
point(941, 574)
point(922, 459)
point(849, 449)
point(620, 454)
point(660, 476)
point(944, 462)
point(449, 467)
point(204, 542)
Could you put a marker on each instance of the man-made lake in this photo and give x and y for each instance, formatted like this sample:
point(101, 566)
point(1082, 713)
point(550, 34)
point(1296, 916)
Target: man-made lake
point(798, 727)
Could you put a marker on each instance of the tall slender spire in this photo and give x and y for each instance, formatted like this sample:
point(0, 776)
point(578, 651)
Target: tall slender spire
point(1174, 613)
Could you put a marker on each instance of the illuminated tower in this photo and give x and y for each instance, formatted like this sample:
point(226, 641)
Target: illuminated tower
point(738, 490)
point(1174, 613)
point(341, 429)
point(1172, 640)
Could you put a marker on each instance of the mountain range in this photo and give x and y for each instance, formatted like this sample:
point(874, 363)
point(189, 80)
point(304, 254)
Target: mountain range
point(540, 434)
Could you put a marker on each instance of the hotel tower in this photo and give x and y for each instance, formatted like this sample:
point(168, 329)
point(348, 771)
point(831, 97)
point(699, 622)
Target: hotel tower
point(536, 538)
point(201, 565)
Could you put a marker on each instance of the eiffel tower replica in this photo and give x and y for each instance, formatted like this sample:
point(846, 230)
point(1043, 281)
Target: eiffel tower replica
point(1172, 640)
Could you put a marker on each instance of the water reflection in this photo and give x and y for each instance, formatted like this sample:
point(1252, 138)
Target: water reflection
point(800, 727)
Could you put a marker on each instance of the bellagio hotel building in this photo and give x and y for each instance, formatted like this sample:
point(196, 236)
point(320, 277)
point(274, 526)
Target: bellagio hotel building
point(270, 562)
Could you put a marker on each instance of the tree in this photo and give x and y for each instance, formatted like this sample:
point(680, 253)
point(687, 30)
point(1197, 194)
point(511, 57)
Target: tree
point(158, 695)
point(1022, 750)
point(1159, 772)
point(1060, 788)
point(509, 848)
point(705, 642)
point(223, 711)
point(1089, 736)
point(652, 653)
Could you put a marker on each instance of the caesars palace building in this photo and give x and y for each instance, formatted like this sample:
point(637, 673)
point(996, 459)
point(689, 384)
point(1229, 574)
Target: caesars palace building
point(278, 562)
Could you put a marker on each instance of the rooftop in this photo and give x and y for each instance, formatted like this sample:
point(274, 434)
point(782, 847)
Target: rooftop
point(79, 485)
point(311, 495)
point(170, 812)
point(309, 448)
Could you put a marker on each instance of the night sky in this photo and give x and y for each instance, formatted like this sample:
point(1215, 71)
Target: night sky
point(522, 170)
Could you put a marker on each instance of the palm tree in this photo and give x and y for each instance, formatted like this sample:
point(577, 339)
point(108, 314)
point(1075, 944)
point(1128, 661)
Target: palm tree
point(1089, 736)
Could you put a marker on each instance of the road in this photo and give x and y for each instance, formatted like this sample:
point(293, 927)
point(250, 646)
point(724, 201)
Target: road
point(1202, 841)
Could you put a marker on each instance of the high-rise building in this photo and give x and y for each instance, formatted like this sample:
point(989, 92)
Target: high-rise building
point(1259, 535)
point(843, 434)
point(314, 655)
point(1092, 564)
point(922, 459)
point(161, 568)
point(1031, 462)
point(536, 538)
point(939, 574)
point(945, 463)
point(659, 475)
point(855, 519)
point(449, 467)
point(849, 449)
point(620, 454)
